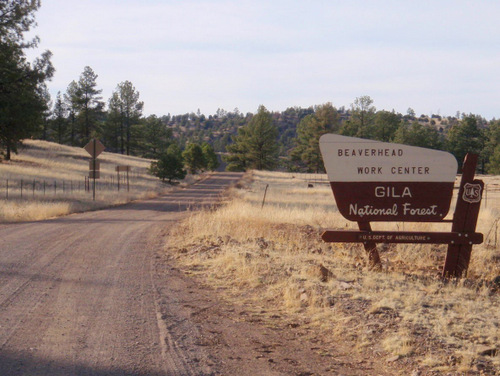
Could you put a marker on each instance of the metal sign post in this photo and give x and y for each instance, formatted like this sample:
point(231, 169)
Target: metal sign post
point(94, 148)
point(378, 181)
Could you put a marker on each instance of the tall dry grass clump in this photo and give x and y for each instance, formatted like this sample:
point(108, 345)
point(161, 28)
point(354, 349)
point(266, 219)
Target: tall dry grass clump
point(271, 254)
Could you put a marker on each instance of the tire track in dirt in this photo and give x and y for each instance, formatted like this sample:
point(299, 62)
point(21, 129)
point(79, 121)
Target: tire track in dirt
point(78, 294)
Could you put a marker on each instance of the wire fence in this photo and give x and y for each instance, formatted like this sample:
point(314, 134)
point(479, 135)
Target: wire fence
point(44, 188)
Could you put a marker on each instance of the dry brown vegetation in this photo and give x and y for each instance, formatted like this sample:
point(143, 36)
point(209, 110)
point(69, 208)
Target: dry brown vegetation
point(42, 161)
point(405, 315)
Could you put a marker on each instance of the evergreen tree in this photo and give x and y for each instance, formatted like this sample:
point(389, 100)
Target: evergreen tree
point(22, 84)
point(90, 104)
point(211, 161)
point(59, 121)
point(384, 126)
point(491, 151)
point(310, 129)
point(71, 101)
point(255, 145)
point(169, 166)
point(113, 132)
point(194, 158)
point(465, 137)
point(417, 134)
point(128, 109)
point(156, 137)
point(362, 118)
point(493, 166)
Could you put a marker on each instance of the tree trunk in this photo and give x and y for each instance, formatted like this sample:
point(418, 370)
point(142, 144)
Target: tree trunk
point(7, 152)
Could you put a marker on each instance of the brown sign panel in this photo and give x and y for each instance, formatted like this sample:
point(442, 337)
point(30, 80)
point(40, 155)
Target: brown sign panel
point(94, 174)
point(393, 201)
point(350, 236)
point(94, 165)
point(380, 181)
point(94, 148)
point(122, 168)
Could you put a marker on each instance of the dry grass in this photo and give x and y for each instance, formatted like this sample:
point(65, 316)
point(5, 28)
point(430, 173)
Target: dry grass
point(274, 257)
point(47, 163)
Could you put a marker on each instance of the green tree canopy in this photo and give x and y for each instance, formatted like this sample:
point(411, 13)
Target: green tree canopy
point(156, 137)
point(89, 103)
point(417, 134)
point(169, 166)
point(127, 110)
point(255, 145)
point(59, 121)
point(324, 120)
point(72, 105)
point(22, 84)
point(362, 118)
point(384, 126)
point(465, 137)
point(194, 158)
point(211, 161)
point(491, 151)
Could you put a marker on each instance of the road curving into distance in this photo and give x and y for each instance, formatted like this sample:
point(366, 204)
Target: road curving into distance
point(81, 294)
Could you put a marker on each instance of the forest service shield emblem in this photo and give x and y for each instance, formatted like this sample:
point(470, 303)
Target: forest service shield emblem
point(472, 193)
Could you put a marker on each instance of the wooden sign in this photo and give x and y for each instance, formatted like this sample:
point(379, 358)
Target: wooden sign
point(380, 181)
point(122, 168)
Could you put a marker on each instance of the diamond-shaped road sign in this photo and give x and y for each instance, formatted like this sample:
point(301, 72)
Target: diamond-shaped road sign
point(94, 148)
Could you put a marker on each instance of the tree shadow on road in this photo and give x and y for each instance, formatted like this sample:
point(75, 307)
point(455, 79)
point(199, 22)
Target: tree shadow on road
point(28, 364)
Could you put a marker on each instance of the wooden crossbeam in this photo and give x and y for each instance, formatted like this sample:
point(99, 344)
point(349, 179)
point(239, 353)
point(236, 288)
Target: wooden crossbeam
point(353, 236)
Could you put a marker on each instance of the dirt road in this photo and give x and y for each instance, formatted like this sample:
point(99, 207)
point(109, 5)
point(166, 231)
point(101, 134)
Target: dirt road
point(94, 294)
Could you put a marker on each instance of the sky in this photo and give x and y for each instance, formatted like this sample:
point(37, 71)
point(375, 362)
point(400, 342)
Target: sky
point(436, 57)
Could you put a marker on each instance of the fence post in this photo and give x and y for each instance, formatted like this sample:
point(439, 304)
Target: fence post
point(264, 199)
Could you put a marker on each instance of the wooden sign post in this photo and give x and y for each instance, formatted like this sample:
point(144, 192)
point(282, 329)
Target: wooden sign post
point(377, 181)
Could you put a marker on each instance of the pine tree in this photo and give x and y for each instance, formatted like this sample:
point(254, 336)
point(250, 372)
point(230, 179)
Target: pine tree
point(255, 145)
point(156, 137)
point(90, 104)
point(59, 121)
point(22, 84)
point(211, 161)
point(127, 110)
point(170, 165)
point(71, 101)
point(309, 130)
point(194, 158)
point(465, 137)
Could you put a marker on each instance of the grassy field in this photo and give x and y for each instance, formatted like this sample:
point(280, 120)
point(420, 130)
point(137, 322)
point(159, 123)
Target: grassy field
point(53, 181)
point(272, 257)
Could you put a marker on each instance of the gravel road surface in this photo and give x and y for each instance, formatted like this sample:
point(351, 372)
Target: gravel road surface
point(96, 294)
point(79, 295)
